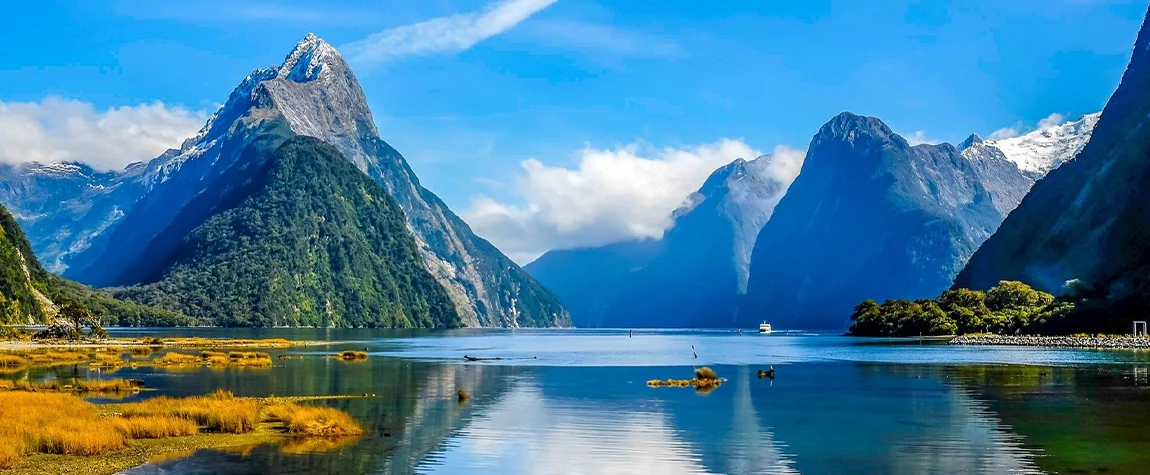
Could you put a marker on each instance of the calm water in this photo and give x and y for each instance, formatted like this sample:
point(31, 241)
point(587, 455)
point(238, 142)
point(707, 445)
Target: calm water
point(575, 401)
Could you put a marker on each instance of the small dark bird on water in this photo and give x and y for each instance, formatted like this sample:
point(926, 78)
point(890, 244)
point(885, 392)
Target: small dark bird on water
point(628, 333)
point(693, 352)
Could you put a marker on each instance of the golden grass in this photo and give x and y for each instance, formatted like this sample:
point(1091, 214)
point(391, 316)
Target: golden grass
point(155, 427)
point(141, 351)
point(12, 361)
point(349, 355)
point(198, 342)
point(53, 356)
point(104, 386)
point(220, 411)
point(176, 359)
point(250, 358)
point(53, 424)
point(462, 395)
point(312, 421)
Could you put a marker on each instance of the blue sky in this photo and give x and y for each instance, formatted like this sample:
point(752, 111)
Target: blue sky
point(562, 81)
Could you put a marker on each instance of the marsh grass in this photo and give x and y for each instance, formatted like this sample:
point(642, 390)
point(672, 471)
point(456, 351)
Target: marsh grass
point(352, 355)
point(220, 411)
point(311, 421)
point(705, 373)
point(155, 427)
point(53, 356)
point(141, 351)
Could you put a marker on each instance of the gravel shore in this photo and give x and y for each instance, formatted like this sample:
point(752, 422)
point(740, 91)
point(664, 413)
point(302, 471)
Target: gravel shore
point(1054, 341)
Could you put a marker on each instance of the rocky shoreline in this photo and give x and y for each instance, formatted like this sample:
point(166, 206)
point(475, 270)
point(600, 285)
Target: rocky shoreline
point(1118, 341)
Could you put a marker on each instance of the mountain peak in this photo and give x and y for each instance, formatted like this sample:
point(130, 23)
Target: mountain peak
point(849, 125)
point(973, 139)
point(310, 58)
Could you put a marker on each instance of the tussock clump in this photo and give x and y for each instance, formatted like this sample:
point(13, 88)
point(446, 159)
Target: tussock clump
point(312, 421)
point(141, 351)
point(350, 355)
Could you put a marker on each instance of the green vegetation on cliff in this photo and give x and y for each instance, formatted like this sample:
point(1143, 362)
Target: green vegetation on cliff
point(1007, 308)
point(297, 236)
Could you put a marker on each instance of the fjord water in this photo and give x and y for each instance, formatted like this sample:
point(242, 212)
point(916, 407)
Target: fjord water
point(576, 401)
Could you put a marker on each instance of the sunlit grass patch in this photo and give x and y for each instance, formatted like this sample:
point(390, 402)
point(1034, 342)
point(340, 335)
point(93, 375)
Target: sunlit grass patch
point(52, 423)
point(176, 359)
point(312, 421)
point(220, 411)
point(12, 361)
point(250, 358)
point(350, 355)
point(54, 356)
point(141, 351)
point(705, 373)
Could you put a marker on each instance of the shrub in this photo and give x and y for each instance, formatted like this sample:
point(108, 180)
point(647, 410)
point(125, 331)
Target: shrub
point(352, 355)
point(705, 373)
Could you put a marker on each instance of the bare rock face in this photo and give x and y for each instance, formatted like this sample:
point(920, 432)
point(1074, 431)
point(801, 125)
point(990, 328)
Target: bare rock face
point(313, 93)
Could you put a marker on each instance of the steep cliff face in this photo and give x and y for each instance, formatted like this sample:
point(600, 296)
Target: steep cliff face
point(692, 276)
point(313, 93)
point(869, 216)
point(1088, 221)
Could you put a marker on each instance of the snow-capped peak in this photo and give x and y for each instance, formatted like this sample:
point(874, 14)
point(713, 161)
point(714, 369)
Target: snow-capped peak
point(311, 57)
point(1047, 147)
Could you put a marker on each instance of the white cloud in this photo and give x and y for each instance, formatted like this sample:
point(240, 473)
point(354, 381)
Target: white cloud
point(600, 37)
point(919, 137)
point(611, 195)
point(443, 34)
point(57, 129)
point(1052, 120)
point(1004, 133)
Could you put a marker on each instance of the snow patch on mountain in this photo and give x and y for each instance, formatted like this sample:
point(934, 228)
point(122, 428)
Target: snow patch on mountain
point(1047, 147)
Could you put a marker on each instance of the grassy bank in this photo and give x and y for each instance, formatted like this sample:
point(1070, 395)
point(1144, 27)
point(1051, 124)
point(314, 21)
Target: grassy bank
point(55, 432)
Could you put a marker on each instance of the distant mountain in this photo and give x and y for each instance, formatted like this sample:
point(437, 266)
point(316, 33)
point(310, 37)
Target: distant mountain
point(30, 295)
point(869, 216)
point(1085, 227)
point(297, 237)
point(107, 226)
point(693, 276)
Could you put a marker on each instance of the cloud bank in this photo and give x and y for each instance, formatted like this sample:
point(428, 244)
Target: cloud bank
point(57, 129)
point(1015, 130)
point(443, 34)
point(611, 195)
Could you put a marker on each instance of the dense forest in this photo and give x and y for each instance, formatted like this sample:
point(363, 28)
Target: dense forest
point(1007, 308)
point(301, 237)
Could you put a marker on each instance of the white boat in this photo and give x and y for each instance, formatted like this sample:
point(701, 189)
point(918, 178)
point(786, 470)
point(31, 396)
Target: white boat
point(764, 327)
